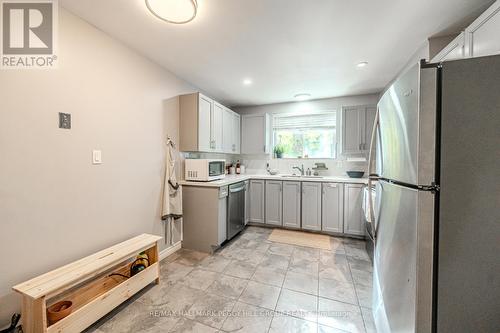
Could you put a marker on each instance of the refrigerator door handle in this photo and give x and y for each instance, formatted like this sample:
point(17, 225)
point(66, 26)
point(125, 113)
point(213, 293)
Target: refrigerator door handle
point(372, 176)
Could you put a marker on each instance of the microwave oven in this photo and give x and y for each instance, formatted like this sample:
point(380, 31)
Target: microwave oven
point(204, 170)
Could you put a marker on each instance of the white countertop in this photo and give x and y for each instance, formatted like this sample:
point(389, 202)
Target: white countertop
point(231, 179)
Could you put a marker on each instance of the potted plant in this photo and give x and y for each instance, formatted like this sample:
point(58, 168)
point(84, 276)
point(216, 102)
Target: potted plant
point(278, 150)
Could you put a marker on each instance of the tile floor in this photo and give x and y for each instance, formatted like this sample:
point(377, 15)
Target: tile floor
point(254, 285)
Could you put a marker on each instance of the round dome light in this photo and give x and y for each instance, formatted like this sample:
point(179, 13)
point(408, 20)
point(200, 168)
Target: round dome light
point(173, 11)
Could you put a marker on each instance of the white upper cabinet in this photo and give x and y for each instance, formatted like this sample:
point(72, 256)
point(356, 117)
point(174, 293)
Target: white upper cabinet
point(204, 123)
point(227, 132)
point(216, 124)
point(453, 51)
point(370, 113)
point(482, 37)
point(231, 132)
point(207, 126)
point(477, 40)
point(357, 127)
point(255, 134)
point(236, 133)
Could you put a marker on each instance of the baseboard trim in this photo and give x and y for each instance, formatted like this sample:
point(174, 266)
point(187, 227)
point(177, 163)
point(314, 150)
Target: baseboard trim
point(169, 251)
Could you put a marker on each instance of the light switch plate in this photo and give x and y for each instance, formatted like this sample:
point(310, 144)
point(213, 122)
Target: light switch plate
point(96, 157)
point(64, 120)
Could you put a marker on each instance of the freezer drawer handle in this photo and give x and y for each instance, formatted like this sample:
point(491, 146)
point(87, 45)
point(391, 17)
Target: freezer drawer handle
point(372, 176)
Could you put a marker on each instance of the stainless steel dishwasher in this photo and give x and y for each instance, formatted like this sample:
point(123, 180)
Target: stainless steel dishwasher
point(236, 209)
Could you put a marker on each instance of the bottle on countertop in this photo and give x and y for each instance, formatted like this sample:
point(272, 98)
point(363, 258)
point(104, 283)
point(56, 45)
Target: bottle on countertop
point(308, 172)
point(238, 169)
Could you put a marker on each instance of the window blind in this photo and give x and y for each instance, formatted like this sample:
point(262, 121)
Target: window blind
point(304, 121)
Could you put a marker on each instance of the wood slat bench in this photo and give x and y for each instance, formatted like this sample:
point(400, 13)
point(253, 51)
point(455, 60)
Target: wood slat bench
point(88, 284)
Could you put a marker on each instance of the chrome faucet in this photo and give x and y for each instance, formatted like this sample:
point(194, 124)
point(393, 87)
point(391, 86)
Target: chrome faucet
point(300, 169)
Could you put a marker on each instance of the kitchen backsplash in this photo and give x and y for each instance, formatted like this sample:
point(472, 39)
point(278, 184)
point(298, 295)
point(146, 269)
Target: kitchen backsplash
point(285, 166)
point(256, 164)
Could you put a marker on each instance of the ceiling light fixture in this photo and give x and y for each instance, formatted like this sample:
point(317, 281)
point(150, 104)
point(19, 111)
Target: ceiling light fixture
point(173, 11)
point(247, 82)
point(302, 97)
point(362, 64)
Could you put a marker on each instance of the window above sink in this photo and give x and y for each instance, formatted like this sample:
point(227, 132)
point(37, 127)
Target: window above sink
point(306, 135)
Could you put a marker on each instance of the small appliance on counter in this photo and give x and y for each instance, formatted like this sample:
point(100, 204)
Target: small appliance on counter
point(319, 167)
point(204, 170)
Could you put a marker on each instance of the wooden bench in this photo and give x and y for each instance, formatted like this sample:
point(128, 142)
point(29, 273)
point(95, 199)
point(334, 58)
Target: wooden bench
point(88, 284)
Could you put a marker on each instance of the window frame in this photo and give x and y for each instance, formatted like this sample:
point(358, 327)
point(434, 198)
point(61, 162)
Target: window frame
point(322, 111)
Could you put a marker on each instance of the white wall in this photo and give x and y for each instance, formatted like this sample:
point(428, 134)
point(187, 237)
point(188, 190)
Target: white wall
point(257, 163)
point(55, 206)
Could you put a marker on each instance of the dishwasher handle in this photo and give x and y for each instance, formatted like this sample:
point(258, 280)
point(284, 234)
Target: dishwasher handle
point(237, 189)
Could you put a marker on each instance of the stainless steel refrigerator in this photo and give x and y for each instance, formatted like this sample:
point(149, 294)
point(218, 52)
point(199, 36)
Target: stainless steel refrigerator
point(436, 213)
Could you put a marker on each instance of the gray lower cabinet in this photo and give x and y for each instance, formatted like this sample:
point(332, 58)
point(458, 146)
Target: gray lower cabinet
point(291, 204)
point(247, 201)
point(274, 202)
point(332, 211)
point(257, 204)
point(204, 219)
point(353, 217)
point(311, 206)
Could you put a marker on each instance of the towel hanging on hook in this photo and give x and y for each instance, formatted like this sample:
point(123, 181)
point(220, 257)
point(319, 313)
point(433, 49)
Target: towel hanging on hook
point(170, 142)
point(172, 196)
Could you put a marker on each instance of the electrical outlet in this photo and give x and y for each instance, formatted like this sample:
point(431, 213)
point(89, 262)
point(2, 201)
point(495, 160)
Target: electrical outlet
point(64, 120)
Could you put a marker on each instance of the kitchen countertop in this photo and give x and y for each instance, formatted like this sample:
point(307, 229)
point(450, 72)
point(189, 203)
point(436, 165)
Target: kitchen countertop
point(231, 179)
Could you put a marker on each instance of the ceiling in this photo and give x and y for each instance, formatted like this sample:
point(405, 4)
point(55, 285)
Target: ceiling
point(285, 47)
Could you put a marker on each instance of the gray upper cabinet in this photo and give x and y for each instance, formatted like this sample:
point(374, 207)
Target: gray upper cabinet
point(274, 202)
point(257, 204)
point(482, 36)
point(353, 221)
point(311, 206)
point(255, 134)
point(357, 127)
point(207, 126)
point(332, 212)
point(291, 204)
